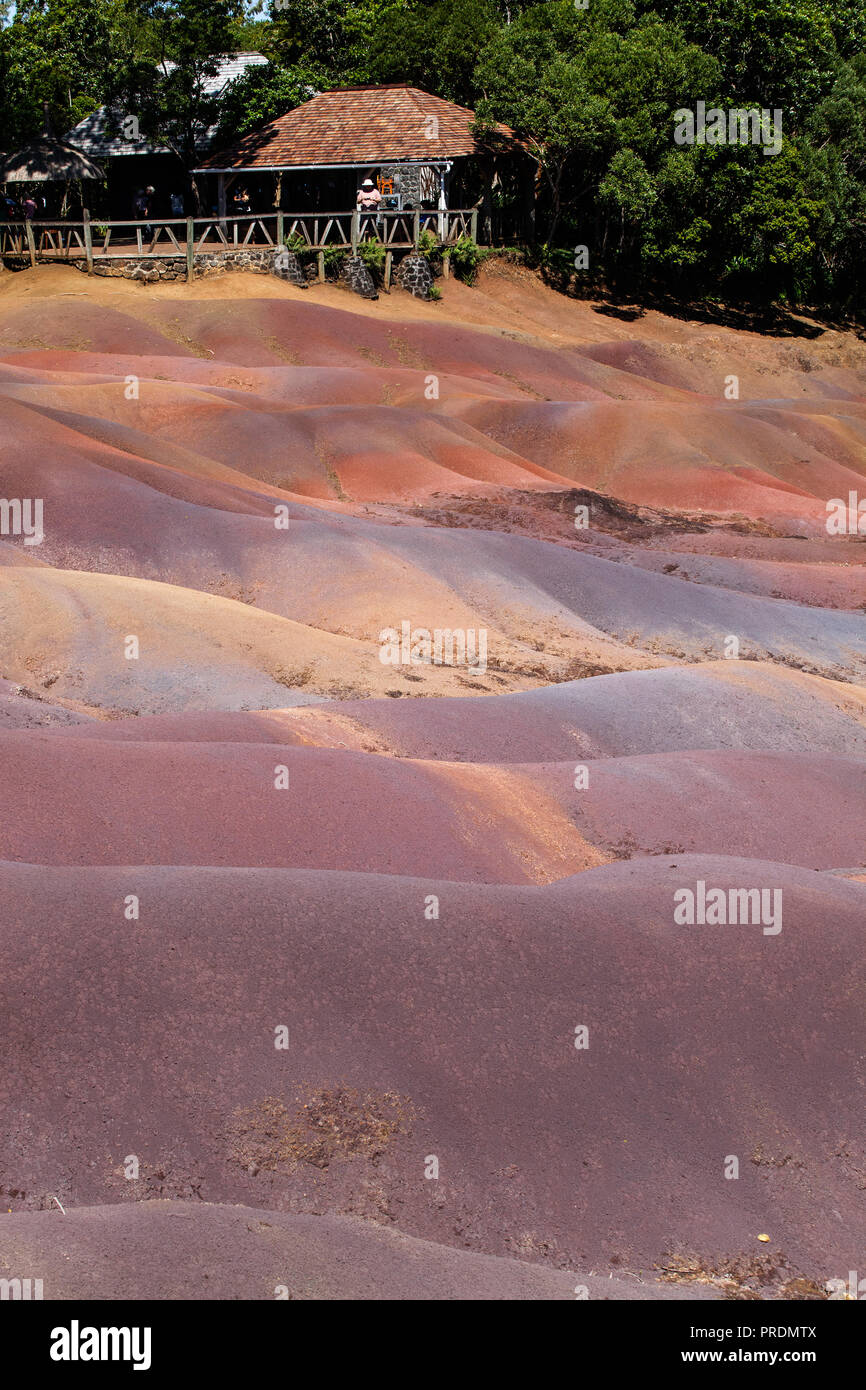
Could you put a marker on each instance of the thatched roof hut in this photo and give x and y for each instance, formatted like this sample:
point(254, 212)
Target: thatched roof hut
point(48, 161)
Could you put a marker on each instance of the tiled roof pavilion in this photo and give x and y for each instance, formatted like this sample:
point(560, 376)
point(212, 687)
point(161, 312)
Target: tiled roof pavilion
point(355, 126)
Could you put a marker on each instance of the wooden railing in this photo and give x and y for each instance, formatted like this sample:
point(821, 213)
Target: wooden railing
point(162, 238)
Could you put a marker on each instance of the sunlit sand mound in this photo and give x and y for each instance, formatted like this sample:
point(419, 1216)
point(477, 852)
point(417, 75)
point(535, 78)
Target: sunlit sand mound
point(112, 513)
point(817, 585)
point(72, 470)
point(346, 452)
point(160, 1249)
point(81, 321)
point(723, 705)
point(259, 330)
point(796, 808)
point(67, 802)
point(713, 457)
point(409, 1035)
point(141, 647)
point(358, 577)
point(107, 801)
point(756, 365)
point(361, 453)
point(641, 413)
point(265, 332)
point(24, 708)
point(50, 379)
point(660, 613)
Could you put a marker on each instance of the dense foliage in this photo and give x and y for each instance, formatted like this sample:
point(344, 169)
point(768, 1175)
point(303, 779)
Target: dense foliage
point(592, 91)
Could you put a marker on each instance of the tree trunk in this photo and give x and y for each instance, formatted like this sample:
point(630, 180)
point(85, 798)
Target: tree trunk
point(555, 185)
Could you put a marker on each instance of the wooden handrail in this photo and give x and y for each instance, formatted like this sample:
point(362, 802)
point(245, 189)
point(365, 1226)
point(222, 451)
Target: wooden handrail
point(215, 217)
point(65, 240)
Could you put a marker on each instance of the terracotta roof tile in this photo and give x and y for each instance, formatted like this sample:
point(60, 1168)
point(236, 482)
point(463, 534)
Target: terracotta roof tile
point(356, 126)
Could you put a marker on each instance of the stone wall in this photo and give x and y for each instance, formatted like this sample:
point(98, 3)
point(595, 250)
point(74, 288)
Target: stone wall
point(415, 276)
point(260, 260)
point(415, 181)
point(407, 180)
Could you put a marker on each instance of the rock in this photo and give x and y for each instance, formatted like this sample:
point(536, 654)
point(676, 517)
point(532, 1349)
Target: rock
point(358, 278)
point(415, 276)
point(286, 266)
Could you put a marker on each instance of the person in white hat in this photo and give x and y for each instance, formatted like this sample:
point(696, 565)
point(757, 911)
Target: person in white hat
point(369, 196)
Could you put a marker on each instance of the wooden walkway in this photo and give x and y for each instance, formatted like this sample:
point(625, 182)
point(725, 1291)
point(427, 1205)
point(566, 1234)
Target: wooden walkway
point(187, 237)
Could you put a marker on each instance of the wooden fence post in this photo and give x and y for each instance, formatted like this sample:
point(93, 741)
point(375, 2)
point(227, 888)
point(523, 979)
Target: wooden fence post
point(88, 241)
point(416, 228)
point(356, 230)
point(190, 250)
point(474, 225)
point(321, 260)
point(31, 241)
point(389, 258)
point(279, 229)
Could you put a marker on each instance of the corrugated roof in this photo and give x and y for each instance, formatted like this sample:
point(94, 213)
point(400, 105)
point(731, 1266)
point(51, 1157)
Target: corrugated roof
point(358, 126)
point(97, 135)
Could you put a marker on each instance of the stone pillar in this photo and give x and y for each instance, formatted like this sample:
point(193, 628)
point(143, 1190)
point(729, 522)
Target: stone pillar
point(358, 278)
point(415, 276)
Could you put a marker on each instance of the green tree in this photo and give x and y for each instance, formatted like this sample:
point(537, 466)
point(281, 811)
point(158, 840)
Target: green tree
point(178, 46)
point(332, 39)
point(629, 190)
point(433, 46)
point(578, 86)
point(776, 225)
point(773, 53)
point(59, 57)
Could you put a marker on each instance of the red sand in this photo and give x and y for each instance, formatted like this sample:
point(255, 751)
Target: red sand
point(192, 1250)
point(700, 1046)
point(67, 801)
point(430, 459)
